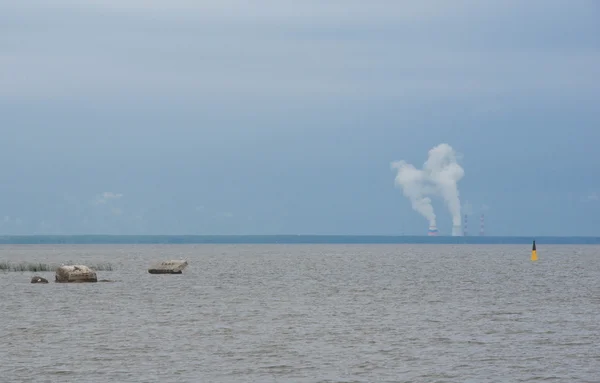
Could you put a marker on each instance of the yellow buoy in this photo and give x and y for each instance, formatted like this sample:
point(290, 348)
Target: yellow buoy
point(534, 253)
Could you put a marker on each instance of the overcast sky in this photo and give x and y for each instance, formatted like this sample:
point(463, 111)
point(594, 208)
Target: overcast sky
point(282, 117)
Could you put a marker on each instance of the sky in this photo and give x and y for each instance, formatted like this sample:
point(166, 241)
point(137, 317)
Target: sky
point(283, 117)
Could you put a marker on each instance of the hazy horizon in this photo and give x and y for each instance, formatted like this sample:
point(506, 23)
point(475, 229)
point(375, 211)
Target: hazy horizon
point(524, 242)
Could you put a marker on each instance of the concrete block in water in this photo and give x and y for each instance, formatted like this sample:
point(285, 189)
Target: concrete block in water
point(75, 273)
point(168, 267)
point(38, 279)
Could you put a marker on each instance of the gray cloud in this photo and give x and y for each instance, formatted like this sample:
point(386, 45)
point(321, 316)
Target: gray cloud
point(591, 197)
point(310, 51)
point(106, 197)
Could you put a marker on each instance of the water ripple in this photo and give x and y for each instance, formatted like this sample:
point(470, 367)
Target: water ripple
point(304, 313)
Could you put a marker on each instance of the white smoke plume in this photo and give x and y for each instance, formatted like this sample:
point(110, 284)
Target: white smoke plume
point(412, 182)
point(439, 176)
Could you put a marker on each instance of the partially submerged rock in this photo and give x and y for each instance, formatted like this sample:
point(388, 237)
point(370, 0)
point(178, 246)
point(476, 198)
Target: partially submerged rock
point(75, 273)
point(38, 279)
point(168, 267)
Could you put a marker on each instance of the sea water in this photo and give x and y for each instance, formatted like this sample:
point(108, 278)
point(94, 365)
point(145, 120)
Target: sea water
point(305, 313)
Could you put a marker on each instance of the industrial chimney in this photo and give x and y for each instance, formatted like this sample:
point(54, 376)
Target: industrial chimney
point(456, 231)
point(433, 231)
point(482, 226)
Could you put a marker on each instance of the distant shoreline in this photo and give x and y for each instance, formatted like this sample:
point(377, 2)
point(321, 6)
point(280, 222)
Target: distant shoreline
point(286, 239)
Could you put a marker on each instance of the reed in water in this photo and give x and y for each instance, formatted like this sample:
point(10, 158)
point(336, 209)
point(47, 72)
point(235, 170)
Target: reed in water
point(38, 266)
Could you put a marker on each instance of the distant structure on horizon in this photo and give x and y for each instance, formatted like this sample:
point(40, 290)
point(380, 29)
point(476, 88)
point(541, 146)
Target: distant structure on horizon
point(458, 231)
point(433, 231)
point(482, 225)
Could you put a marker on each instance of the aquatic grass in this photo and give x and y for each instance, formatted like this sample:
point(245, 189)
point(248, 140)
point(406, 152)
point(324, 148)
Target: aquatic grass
point(39, 267)
point(104, 266)
point(26, 266)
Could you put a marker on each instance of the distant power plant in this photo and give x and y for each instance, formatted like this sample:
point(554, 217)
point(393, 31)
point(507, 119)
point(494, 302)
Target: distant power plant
point(456, 230)
point(438, 177)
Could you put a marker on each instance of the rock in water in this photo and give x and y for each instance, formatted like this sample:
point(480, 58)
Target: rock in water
point(38, 279)
point(75, 273)
point(168, 267)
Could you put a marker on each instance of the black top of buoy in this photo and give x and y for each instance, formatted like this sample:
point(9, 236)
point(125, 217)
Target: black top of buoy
point(533, 245)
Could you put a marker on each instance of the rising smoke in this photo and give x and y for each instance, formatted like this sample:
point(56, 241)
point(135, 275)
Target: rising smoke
point(439, 176)
point(412, 182)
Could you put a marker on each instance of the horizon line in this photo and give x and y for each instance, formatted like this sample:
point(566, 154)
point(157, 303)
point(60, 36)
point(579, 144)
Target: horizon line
point(301, 235)
point(239, 239)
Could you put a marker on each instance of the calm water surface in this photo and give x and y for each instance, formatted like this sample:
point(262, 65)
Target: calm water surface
point(306, 313)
